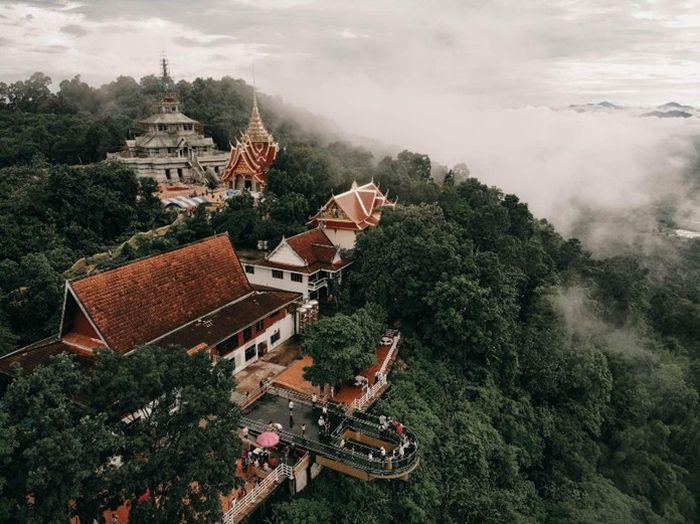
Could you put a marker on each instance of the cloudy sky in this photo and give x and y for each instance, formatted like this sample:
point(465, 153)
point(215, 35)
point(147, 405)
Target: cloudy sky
point(461, 80)
point(497, 52)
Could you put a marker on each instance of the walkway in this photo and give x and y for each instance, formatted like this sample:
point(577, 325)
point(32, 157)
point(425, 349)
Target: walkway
point(361, 432)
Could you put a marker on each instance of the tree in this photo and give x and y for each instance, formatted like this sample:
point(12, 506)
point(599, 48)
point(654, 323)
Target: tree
point(470, 324)
point(398, 264)
point(55, 458)
point(343, 345)
point(182, 446)
point(240, 219)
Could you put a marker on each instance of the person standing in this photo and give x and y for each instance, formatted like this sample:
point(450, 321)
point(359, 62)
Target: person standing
point(303, 430)
point(314, 399)
point(291, 408)
point(322, 424)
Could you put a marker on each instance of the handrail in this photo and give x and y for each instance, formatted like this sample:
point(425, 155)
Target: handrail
point(240, 505)
point(357, 460)
point(391, 354)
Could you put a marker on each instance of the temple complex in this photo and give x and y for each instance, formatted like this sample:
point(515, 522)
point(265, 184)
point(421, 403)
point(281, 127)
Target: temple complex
point(348, 213)
point(172, 147)
point(251, 157)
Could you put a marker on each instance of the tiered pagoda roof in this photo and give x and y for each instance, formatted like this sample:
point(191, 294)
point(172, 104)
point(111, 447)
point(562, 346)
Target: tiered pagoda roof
point(254, 152)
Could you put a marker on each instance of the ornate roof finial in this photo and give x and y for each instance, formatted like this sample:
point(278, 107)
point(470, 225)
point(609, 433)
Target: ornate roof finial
point(256, 131)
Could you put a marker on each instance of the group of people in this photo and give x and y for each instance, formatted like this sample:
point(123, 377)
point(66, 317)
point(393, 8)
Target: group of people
point(387, 423)
point(324, 425)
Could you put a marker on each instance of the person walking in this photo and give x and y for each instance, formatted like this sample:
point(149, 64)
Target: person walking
point(291, 408)
point(303, 430)
point(314, 399)
point(322, 424)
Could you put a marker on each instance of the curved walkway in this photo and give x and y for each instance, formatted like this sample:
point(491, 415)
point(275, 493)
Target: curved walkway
point(361, 432)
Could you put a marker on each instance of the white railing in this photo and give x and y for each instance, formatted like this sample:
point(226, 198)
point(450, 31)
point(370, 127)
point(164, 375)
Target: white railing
point(390, 356)
point(373, 391)
point(242, 505)
point(376, 389)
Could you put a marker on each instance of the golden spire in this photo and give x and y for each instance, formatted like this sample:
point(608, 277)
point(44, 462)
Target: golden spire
point(256, 131)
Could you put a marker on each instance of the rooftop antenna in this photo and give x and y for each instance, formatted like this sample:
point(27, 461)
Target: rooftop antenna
point(255, 87)
point(165, 74)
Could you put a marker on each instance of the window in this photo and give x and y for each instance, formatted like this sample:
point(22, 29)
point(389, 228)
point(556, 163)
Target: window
point(250, 353)
point(162, 127)
point(187, 127)
point(228, 345)
point(276, 273)
point(296, 277)
point(259, 326)
point(247, 334)
point(275, 337)
point(179, 172)
point(167, 174)
point(250, 269)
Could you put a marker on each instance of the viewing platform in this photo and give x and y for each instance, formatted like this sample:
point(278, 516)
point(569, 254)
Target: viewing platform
point(350, 442)
point(360, 456)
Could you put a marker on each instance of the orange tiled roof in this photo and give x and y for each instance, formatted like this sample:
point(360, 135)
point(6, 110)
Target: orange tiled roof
point(143, 300)
point(313, 246)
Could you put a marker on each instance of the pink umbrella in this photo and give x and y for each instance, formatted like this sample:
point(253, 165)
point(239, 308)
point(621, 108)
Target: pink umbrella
point(268, 439)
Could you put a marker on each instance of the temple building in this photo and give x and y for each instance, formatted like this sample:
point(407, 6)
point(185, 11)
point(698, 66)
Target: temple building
point(251, 157)
point(307, 263)
point(348, 213)
point(172, 147)
point(196, 296)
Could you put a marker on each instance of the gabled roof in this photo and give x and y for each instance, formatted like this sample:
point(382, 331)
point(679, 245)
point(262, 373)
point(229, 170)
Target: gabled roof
point(355, 209)
point(314, 248)
point(143, 300)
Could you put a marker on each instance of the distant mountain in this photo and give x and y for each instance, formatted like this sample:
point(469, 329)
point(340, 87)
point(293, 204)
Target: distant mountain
point(667, 110)
point(599, 106)
point(676, 105)
point(669, 114)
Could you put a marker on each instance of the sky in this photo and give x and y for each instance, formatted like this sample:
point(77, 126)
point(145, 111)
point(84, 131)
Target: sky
point(471, 81)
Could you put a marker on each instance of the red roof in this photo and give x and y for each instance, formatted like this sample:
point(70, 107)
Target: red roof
point(141, 301)
point(315, 248)
point(37, 354)
point(359, 205)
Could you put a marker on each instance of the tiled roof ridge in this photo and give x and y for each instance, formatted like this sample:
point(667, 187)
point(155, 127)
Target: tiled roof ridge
point(146, 257)
point(33, 345)
point(307, 232)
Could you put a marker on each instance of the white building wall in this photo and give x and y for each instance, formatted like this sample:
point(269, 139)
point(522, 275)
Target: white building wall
point(341, 237)
point(285, 327)
point(263, 277)
point(284, 254)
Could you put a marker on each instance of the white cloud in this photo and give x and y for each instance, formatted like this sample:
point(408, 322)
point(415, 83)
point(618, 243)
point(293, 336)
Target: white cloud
point(462, 81)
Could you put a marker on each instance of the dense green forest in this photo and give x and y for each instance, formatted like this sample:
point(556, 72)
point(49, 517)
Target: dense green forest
point(545, 384)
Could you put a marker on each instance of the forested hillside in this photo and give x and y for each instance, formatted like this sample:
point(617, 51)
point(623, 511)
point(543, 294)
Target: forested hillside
point(545, 384)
